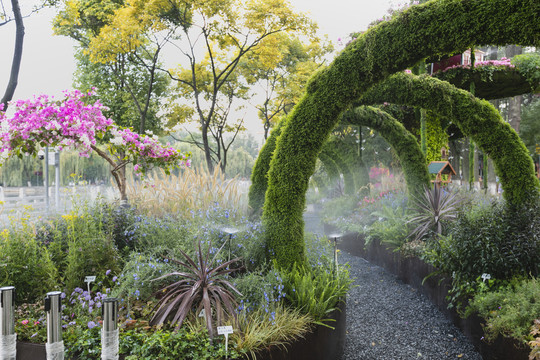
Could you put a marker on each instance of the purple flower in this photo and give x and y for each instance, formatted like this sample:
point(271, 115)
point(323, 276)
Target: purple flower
point(114, 278)
point(91, 325)
point(107, 272)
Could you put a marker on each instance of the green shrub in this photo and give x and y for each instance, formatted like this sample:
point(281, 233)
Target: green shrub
point(510, 311)
point(181, 344)
point(499, 240)
point(25, 264)
point(136, 280)
point(391, 228)
point(316, 292)
point(91, 251)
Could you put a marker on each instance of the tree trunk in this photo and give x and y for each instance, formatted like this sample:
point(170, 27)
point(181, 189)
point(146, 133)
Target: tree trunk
point(17, 55)
point(207, 149)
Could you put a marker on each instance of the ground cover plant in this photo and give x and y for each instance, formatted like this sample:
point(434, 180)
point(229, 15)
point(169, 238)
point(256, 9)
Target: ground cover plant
point(140, 251)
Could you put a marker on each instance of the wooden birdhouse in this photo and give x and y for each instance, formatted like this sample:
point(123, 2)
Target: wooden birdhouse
point(440, 168)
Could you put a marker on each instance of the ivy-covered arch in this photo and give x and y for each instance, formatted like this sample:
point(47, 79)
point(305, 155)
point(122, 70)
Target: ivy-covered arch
point(332, 161)
point(413, 161)
point(434, 28)
point(475, 117)
point(330, 166)
point(329, 149)
point(497, 79)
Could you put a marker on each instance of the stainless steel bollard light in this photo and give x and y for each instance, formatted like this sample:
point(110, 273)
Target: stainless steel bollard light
point(8, 338)
point(109, 332)
point(53, 308)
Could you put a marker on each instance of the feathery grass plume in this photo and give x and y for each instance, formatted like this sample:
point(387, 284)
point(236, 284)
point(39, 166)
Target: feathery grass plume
point(191, 190)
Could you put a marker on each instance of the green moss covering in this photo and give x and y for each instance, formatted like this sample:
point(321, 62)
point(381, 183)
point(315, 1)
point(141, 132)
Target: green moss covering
point(436, 137)
point(329, 164)
point(434, 28)
point(413, 161)
point(259, 180)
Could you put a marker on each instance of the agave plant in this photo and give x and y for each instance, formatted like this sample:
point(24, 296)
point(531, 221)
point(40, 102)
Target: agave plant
point(201, 286)
point(433, 209)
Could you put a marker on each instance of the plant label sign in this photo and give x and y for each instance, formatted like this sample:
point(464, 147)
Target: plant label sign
point(88, 280)
point(224, 330)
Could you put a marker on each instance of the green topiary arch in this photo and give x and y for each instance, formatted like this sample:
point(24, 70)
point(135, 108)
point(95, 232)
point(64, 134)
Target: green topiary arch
point(475, 117)
point(330, 166)
point(413, 161)
point(434, 28)
point(331, 150)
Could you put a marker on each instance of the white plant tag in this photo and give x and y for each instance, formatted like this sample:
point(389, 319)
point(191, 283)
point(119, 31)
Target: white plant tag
point(88, 280)
point(225, 330)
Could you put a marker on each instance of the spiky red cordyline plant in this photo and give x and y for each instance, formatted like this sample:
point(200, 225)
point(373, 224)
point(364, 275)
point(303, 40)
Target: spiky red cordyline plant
point(200, 285)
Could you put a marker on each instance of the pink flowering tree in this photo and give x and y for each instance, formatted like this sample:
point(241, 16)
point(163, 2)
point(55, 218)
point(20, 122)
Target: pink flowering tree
point(78, 123)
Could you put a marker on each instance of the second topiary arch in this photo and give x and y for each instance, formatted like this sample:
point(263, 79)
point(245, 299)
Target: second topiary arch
point(390, 47)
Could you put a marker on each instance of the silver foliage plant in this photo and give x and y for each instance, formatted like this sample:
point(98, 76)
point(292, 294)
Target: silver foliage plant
point(434, 208)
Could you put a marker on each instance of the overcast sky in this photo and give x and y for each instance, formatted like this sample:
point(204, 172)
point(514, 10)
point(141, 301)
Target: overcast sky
point(48, 63)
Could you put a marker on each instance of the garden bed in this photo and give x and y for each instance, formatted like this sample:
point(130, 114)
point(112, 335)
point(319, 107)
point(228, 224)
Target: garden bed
point(322, 343)
point(412, 271)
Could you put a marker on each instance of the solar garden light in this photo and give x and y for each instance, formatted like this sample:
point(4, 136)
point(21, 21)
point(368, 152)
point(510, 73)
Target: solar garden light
point(54, 345)
point(335, 237)
point(8, 338)
point(109, 332)
point(230, 231)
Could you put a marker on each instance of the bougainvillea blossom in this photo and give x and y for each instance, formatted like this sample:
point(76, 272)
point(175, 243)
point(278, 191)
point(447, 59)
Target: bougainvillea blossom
point(79, 124)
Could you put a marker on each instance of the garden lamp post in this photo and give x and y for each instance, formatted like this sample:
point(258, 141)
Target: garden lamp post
point(229, 231)
point(109, 332)
point(54, 345)
point(8, 338)
point(335, 238)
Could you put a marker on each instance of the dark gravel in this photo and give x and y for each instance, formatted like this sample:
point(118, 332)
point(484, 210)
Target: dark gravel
point(390, 320)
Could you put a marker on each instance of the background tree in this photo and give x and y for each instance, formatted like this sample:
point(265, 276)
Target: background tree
point(279, 69)
point(125, 73)
point(5, 18)
point(213, 37)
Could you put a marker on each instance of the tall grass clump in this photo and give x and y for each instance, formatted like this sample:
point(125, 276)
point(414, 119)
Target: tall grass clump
point(192, 189)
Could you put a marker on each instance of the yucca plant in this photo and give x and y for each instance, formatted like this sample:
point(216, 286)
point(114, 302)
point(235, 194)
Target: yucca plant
point(433, 209)
point(201, 286)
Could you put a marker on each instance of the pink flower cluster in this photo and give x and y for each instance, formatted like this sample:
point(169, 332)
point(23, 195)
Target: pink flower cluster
point(503, 62)
point(376, 173)
point(76, 123)
point(43, 122)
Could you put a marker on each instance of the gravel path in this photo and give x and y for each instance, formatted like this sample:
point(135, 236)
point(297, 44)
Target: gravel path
point(390, 320)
